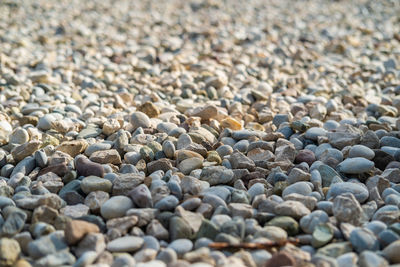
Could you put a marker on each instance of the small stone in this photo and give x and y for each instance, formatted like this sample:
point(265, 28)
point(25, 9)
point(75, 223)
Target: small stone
point(292, 208)
point(149, 109)
point(305, 156)
point(216, 175)
point(360, 192)
point(231, 124)
point(288, 224)
point(94, 200)
point(167, 203)
point(141, 197)
point(322, 234)
point(106, 156)
point(77, 229)
point(19, 136)
point(93, 183)
point(73, 148)
point(302, 188)
point(355, 165)
point(125, 244)
point(188, 165)
point(309, 222)
point(9, 252)
point(371, 259)
point(21, 152)
point(391, 252)
point(181, 246)
point(139, 119)
point(115, 207)
point(361, 151)
point(281, 258)
point(347, 209)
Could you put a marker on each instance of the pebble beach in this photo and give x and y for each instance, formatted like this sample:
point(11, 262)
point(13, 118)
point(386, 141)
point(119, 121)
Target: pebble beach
point(199, 133)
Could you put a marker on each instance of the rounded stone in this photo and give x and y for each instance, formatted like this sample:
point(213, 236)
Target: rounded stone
point(181, 246)
point(363, 239)
point(125, 244)
point(360, 192)
point(139, 119)
point(116, 207)
point(94, 183)
point(361, 151)
point(19, 136)
point(355, 165)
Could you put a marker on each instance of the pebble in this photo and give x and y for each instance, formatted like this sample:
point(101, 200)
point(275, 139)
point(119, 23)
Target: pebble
point(360, 192)
point(363, 239)
point(125, 244)
point(355, 165)
point(116, 206)
point(9, 251)
point(142, 146)
point(94, 183)
point(361, 151)
point(139, 119)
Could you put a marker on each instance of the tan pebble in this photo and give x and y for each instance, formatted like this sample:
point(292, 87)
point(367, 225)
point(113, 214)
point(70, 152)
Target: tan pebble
point(231, 124)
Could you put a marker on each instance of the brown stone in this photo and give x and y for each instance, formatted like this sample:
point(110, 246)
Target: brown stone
point(86, 167)
point(59, 169)
point(281, 259)
point(149, 109)
point(77, 229)
point(106, 156)
point(73, 148)
point(25, 150)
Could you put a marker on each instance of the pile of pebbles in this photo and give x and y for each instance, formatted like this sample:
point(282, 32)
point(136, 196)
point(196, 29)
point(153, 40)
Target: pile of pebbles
point(136, 133)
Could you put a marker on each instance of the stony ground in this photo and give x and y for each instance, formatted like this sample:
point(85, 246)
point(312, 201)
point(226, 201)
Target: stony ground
point(201, 133)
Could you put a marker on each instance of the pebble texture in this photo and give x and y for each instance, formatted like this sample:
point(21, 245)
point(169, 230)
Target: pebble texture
point(137, 133)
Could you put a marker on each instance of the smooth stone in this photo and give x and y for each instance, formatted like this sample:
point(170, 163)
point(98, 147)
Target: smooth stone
point(44, 122)
point(188, 165)
point(312, 220)
point(386, 237)
point(141, 196)
point(334, 250)
point(168, 149)
point(9, 251)
point(321, 235)
point(363, 239)
point(371, 259)
point(94, 183)
point(360, 192)
point(132, 157)
point(302, 188)
point(288, 224)
point(314, 132)
point(167, 203)
point(47, 245)
point(19, 136)
point(97, 147)
point(181, 246)
point(216, 175)
point(321, 149)
point(139, 119)
point(355, 165)
point(361, 151)
point(305, 156)
point(391, 252)
point(390, 141)
point(347, 259)
point(116, 206)
point(125, 244)
point(328, 175)
point(86, 167)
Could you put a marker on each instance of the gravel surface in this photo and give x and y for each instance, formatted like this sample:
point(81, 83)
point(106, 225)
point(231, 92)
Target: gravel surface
point(163, 133)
